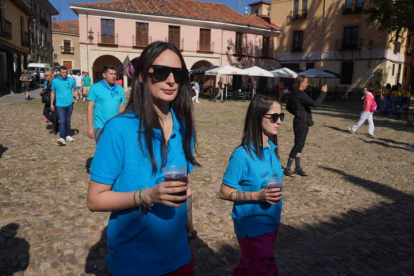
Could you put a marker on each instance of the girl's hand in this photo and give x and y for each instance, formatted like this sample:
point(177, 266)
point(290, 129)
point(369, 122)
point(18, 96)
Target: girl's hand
point(271, 196)
point(164, 193)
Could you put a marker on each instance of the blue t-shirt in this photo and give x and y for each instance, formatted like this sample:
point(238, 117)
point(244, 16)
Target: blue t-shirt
point(107, 100)
point(253, 218)
point(150, 243)
point(63, 90)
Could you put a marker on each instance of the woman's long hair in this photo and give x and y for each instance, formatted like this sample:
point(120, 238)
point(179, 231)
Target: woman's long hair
point(252, 133)
point(298, 81)
point(141, 104)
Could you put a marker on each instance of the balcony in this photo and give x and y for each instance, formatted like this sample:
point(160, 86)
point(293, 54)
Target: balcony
point(239, 50)
point(353, 9)
point(349, 44)
point(25, 39)
point(7, 30)
point(297, 48)
point(109, 41)
point(296, 16)
point(140, 43)
point(397, 47)
point(67, 50)
point(206, 48)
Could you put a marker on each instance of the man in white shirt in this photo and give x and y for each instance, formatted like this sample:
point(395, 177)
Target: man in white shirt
point(78, 80)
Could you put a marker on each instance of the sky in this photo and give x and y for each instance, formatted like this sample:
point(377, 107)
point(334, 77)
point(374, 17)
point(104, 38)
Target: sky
point(67, 14)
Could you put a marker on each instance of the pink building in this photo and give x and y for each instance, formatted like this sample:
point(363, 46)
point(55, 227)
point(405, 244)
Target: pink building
point(207, 33)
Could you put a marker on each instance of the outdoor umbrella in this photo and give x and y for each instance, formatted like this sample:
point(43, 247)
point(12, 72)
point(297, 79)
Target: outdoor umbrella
point(202, 70)
point(314, 73)
point(284, 73)
point(226, 70)
point(256, 71)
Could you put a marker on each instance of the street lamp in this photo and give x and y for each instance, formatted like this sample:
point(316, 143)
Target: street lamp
point(90, 36)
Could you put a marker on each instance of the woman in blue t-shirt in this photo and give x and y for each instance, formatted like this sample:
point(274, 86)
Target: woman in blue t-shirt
point(149, 229)
point(257, 207)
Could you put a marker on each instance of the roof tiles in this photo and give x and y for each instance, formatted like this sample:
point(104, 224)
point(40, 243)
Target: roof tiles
point(71, 27)
point(182, 9)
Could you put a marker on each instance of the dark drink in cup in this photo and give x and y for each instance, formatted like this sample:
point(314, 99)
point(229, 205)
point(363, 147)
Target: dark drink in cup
point(179, 178)
point(176, 173)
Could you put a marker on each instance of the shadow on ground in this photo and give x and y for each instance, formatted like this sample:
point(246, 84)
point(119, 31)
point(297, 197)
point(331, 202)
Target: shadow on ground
point(14, 252)
point(3, 149)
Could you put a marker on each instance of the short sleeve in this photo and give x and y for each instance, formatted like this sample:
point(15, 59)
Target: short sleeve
point(190, 167)
point(53, 86)
point(235, 172)
point(123, 100)
point(107, 162)
point(91, 94)
point(74, 84)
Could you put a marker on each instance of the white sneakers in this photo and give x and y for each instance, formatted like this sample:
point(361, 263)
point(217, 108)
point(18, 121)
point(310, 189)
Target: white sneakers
point(61, 142)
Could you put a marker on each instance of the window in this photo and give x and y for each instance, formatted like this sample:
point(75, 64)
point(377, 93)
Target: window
point(304, 8)
point(297, 41)
point(347, 70)
point(205, 40)
point(295, 8)
point(174, 35)
point(359, 5)
point(55, 56)
point(66, 47)
point(265, 46)
point(397, 47)
point(56, 26)
point(310, 65)
point(348, 5)
point(141, 34)
point(350, 38)
point(107, 31)
point(393, 69)
point(72, 28)
point(239, 43)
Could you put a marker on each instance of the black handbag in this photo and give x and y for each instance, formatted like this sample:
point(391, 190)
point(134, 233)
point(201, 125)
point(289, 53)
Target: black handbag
point(45, 96)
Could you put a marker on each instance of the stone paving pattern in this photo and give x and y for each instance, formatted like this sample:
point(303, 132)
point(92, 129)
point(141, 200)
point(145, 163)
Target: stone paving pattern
point(354, 214)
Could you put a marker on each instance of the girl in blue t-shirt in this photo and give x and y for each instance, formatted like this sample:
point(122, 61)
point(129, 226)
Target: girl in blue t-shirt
point(257, 207)
point(150, 225)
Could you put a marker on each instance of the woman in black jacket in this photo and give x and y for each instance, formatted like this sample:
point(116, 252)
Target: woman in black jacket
point(299, 105)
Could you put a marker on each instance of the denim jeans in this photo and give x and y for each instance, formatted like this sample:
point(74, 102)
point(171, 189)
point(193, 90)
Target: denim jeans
point(394, 105)
point(64, 115)
point(386, 104)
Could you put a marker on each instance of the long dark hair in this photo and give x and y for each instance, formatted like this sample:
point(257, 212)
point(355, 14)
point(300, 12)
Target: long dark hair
point(252, 133)
point(141, 104)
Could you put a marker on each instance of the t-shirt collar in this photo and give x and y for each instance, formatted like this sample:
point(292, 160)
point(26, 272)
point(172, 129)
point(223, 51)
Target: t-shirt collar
point(176, 126)
point(110, 88)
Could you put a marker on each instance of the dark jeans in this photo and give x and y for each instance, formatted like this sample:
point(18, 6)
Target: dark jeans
point(64, 115)
point(52, 117)
point(301, 132)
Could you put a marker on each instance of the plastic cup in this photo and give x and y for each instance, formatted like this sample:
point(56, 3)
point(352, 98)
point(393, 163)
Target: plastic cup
point(176, 173)
point(274, 182)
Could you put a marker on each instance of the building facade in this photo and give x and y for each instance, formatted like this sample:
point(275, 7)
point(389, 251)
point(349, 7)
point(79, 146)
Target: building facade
point(41, 31)
point(332, 35)
point(65, 38)
point(14, 42)
point(206, 33)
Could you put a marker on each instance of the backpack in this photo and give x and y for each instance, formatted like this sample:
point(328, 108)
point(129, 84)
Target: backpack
point(289, 107)
point(373, 106)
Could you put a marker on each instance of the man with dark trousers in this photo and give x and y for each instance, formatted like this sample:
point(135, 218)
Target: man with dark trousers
point(299, 105)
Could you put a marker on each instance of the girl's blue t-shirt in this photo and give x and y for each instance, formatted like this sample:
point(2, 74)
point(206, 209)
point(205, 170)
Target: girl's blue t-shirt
point(147, 243)
point(247, 174)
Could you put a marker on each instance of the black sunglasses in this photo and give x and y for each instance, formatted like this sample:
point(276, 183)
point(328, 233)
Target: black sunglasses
point(275, 117)
point(161, 73)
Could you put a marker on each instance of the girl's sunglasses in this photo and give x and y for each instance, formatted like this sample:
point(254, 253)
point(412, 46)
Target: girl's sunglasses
point(275, 117)
point(161, 73)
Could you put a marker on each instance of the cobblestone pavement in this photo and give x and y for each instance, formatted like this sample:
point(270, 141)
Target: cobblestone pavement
point(352, 216)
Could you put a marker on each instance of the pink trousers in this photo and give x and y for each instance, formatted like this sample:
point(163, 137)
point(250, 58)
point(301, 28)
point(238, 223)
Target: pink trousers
point(257, 256)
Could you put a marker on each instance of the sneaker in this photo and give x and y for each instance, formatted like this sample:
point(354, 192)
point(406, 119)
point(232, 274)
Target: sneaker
point(410, 147)
point(84, 99)
point(370, 135)
point(288, 172)
point(70, 139)
point(61, 142)
point(350, 130)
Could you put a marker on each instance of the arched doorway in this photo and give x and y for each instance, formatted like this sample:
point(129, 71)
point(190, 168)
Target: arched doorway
point(99, 64)
point(205, 82)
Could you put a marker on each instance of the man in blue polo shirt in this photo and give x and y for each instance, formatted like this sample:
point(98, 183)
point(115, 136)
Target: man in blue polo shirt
point(105, 100)
point(64, 89)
